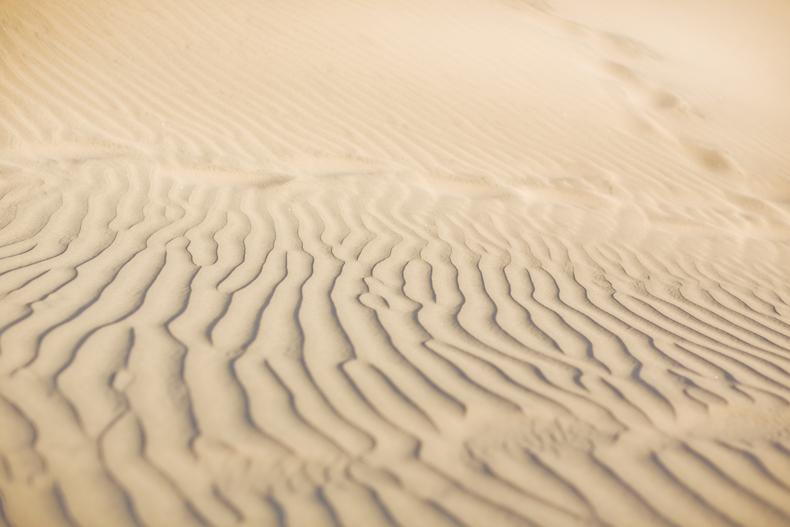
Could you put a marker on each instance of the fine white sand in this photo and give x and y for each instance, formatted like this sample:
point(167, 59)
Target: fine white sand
point(394, 262)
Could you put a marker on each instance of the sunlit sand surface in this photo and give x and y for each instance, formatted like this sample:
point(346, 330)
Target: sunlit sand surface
point(394, 263)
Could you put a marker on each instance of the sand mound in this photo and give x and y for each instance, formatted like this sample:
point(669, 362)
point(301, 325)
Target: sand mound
point(485, 263)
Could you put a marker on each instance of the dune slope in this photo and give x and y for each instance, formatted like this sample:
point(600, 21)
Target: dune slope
point(477, 262)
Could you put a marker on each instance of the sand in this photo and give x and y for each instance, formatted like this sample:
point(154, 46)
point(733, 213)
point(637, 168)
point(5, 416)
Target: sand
point(394, 262)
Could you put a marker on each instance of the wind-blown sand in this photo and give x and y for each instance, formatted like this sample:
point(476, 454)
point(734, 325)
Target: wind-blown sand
point(419, 263)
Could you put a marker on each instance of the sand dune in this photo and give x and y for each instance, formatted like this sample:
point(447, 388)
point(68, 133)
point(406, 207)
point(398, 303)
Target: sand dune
point(479, 263)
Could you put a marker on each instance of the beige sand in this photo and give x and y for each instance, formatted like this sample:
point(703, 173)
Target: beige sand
point(418, 263)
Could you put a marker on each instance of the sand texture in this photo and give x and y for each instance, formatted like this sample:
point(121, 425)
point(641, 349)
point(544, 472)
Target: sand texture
point(394, 263)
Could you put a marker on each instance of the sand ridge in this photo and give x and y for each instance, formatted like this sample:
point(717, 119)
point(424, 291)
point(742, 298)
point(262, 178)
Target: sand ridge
point(488, 262)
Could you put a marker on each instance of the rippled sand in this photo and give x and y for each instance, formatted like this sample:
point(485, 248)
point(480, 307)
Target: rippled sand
point(422, 263)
